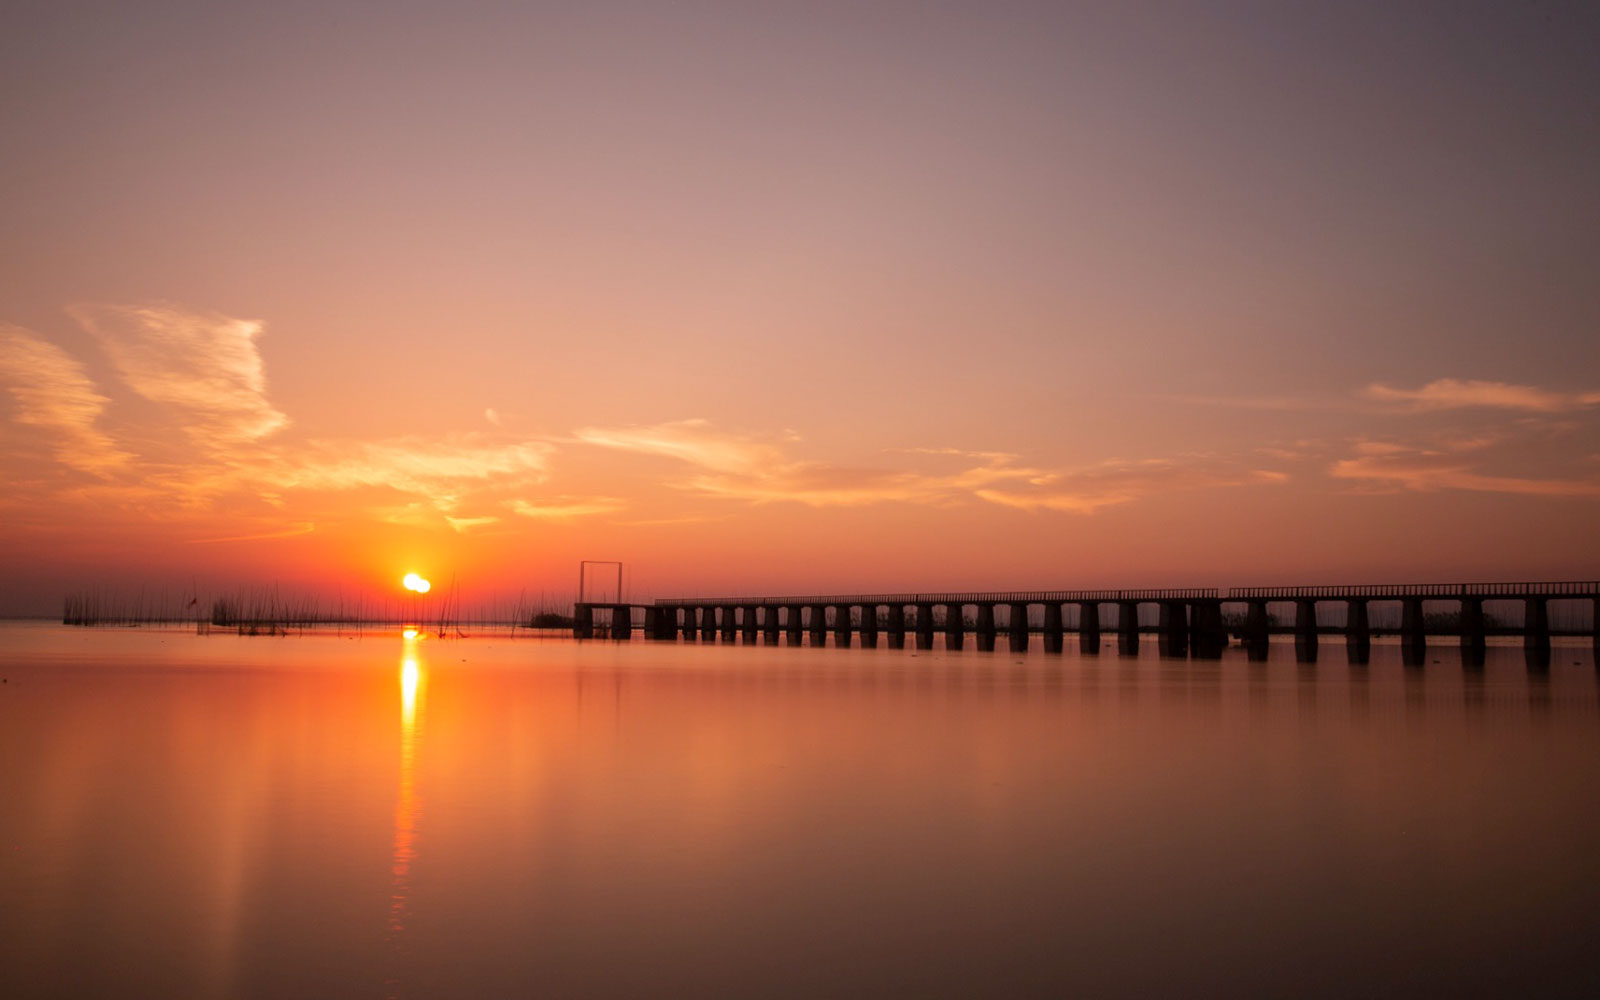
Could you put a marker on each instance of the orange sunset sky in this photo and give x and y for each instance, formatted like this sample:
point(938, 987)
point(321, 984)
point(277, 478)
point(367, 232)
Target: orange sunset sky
point(796, 297)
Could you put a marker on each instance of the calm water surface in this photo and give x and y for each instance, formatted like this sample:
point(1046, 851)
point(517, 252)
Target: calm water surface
point(323, 815)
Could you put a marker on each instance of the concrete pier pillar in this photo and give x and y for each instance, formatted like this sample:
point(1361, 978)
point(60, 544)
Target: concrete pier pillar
point(690, 626)
point(653, 617)
point(818, 623)
point(1257, 623)
point(747, 622)
point(985, 628)
point(1474, 638)
point(1257, 629)
point(1305, 631)
point(770, 626)
point(924, 626)
point(842, 626)
point(1594, 628)
point(1413, 632)
point(708, 622)
point(869, 625)
point(1173, 637)
point(793, 626)
point(1357, 633)
point(730, 622)
point(1089, 627)
point(955, 625)
point(1053, 630)
point(1207, 639)
point(1127, 627)
point(621, 621)
point(1536, 628)
point(1017, 630)
point(583, 621)
point(897, 626)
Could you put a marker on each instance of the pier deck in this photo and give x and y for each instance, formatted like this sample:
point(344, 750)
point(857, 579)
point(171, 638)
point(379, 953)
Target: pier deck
point(1191, 622)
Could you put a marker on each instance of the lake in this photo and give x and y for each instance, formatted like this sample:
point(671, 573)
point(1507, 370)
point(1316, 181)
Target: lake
point(333, 815)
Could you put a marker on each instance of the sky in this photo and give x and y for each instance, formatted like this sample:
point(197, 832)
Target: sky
point(796, 298)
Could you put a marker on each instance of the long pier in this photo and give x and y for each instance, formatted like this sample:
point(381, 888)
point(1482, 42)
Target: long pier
point(1191, 621)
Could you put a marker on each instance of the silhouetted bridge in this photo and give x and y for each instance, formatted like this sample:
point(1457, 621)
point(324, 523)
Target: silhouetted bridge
point(1190, 621)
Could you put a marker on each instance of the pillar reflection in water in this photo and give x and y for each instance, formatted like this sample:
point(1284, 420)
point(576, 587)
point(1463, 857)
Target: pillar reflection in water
point(413, 704)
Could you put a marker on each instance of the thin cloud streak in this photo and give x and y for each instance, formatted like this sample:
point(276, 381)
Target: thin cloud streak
point(565, 508)
point(1453, 462)
point(694, 441)
point(303, 528)
point(462, 525)
point(425, 467)
point(1455, 394)
point(740, 468)
point(1440, 394)
point(1119, 482)
point(1426, 478)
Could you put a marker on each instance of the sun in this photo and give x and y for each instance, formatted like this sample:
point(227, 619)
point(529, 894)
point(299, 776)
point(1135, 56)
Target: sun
point(412, 581)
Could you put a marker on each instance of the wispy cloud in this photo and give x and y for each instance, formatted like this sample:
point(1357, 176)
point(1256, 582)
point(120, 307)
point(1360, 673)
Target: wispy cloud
point(52, 392)
point(652, 522)
point(565, 507)
point(1427, 474)
point(1455, 394)
point(821, 485)
point(992, 457)
point(1440, 394)
point(425, 467)
point(694, 441)
point(466, 524)
point(207, 378)
point(1480, 464)
point(302, 528)
point(1116, 482)
point(737, 467)
point(205, 364)
point(744, 467)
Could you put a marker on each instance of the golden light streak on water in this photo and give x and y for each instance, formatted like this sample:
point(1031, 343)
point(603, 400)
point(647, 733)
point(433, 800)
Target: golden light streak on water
point(413, 704)
point(410, 681)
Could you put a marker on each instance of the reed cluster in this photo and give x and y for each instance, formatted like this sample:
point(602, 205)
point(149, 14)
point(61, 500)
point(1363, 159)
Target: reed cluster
point(265, 612)
point(268, 610)
point(98, 607)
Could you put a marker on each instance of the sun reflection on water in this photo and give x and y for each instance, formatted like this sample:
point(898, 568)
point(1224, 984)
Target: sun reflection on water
point(413, 702)
point(410, 680)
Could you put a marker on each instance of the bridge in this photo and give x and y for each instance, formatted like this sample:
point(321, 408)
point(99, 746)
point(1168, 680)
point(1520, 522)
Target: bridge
point(1190, 622)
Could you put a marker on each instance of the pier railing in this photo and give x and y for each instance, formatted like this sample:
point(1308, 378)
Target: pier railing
point(1436, 591)
point(954, 597)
